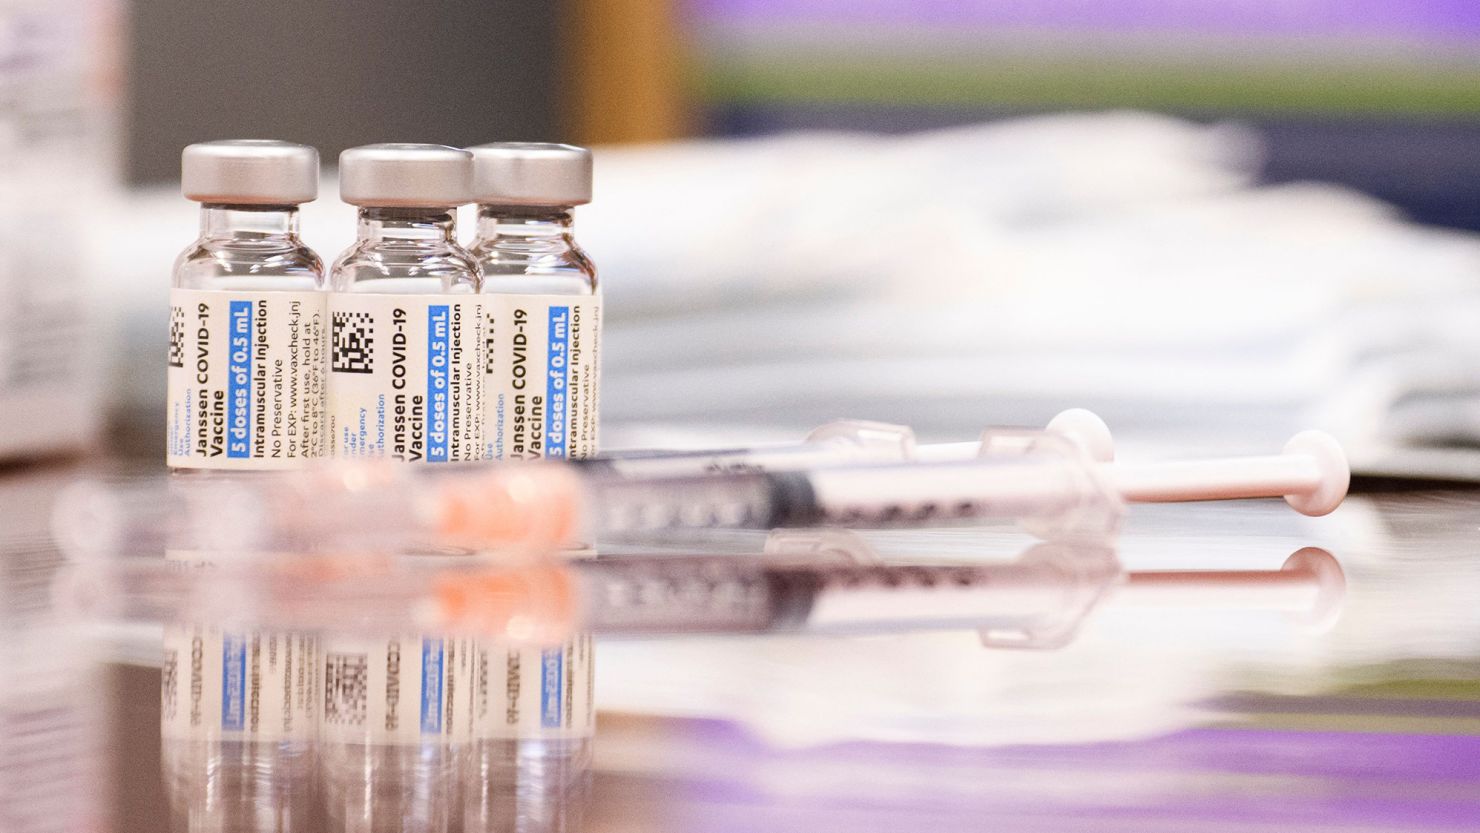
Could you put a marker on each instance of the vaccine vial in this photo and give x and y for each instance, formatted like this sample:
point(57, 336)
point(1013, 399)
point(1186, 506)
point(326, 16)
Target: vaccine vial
point(247, 329)
point(406, 354)
point(405, 382)
point(246, 366)
point(543, 303)
point(532, 710)
point(239, 727)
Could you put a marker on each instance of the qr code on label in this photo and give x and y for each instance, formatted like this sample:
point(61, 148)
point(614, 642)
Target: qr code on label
point(346, 688)
point(177, 336)
point(354, 343)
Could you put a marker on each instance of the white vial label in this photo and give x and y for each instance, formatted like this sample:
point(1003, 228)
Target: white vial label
point(222, 685)
point(399, 690)
point(543, 376)
point(532, 693)
point(245, 378)
point(405, 377)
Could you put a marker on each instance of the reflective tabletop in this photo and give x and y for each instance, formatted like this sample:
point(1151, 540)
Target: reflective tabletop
point(1155, 707)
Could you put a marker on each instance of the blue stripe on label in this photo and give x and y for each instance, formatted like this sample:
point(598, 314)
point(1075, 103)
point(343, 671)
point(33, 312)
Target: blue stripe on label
point(437, 348)
point(233, 683)
point(239, 380)
point(552, 687)
point(431, 686)
point(557, 374)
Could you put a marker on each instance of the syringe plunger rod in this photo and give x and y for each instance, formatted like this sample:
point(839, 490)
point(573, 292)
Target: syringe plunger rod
point(1312, 475)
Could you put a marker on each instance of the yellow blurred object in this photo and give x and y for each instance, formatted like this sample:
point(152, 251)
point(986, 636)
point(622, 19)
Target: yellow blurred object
point(626, 72)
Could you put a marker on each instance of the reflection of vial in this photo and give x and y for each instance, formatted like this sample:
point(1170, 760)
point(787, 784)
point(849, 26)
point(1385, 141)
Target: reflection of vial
point(532, 710)
point(238, 726)
point(391, 733)
point(406, 351)
point(246, 350)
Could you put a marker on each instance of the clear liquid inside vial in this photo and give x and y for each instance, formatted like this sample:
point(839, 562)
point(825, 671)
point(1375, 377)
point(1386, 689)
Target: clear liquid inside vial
point(406, 251)
point(531, 250)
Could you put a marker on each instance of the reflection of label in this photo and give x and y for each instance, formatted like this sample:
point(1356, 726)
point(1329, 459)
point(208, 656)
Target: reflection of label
point(395, 690)
point(405, 377)
point(543, 376)
point(236, 686)
point(552, 688)
point(233, 682)
point(245, 378)
point(533, 692)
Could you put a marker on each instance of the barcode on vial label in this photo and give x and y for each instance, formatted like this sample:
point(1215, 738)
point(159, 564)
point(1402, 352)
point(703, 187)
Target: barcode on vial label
point(346, 689)
point(353, 343)
point(177, 336)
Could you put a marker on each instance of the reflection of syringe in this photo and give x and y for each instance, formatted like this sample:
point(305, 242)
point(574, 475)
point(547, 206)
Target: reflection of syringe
point(1044, 481)
point(1035, 601)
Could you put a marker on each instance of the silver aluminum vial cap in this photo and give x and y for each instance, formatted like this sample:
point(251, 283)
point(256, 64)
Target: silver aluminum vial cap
point(405, 176)
point(249, 172)
point(531, 173)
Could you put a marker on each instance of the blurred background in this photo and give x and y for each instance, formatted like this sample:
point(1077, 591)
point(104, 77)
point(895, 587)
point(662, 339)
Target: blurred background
point(1213, 222)
point(1340, 91)
point(1378, 95)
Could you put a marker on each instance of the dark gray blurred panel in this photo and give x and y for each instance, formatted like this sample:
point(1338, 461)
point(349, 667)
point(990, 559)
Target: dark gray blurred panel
point(338, 73)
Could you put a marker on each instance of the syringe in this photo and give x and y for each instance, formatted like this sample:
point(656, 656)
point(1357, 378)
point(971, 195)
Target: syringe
point(1043, 481)
point(1037, 601)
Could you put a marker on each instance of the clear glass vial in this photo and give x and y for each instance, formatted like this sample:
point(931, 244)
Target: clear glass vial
point(525, 193)
point(249, 191)
point(406, 238)
point(248, 252)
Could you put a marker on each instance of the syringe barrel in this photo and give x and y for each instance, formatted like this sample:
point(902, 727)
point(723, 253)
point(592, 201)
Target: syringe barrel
point(1050, 491)
point(750, 500)
point(1047, 486)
